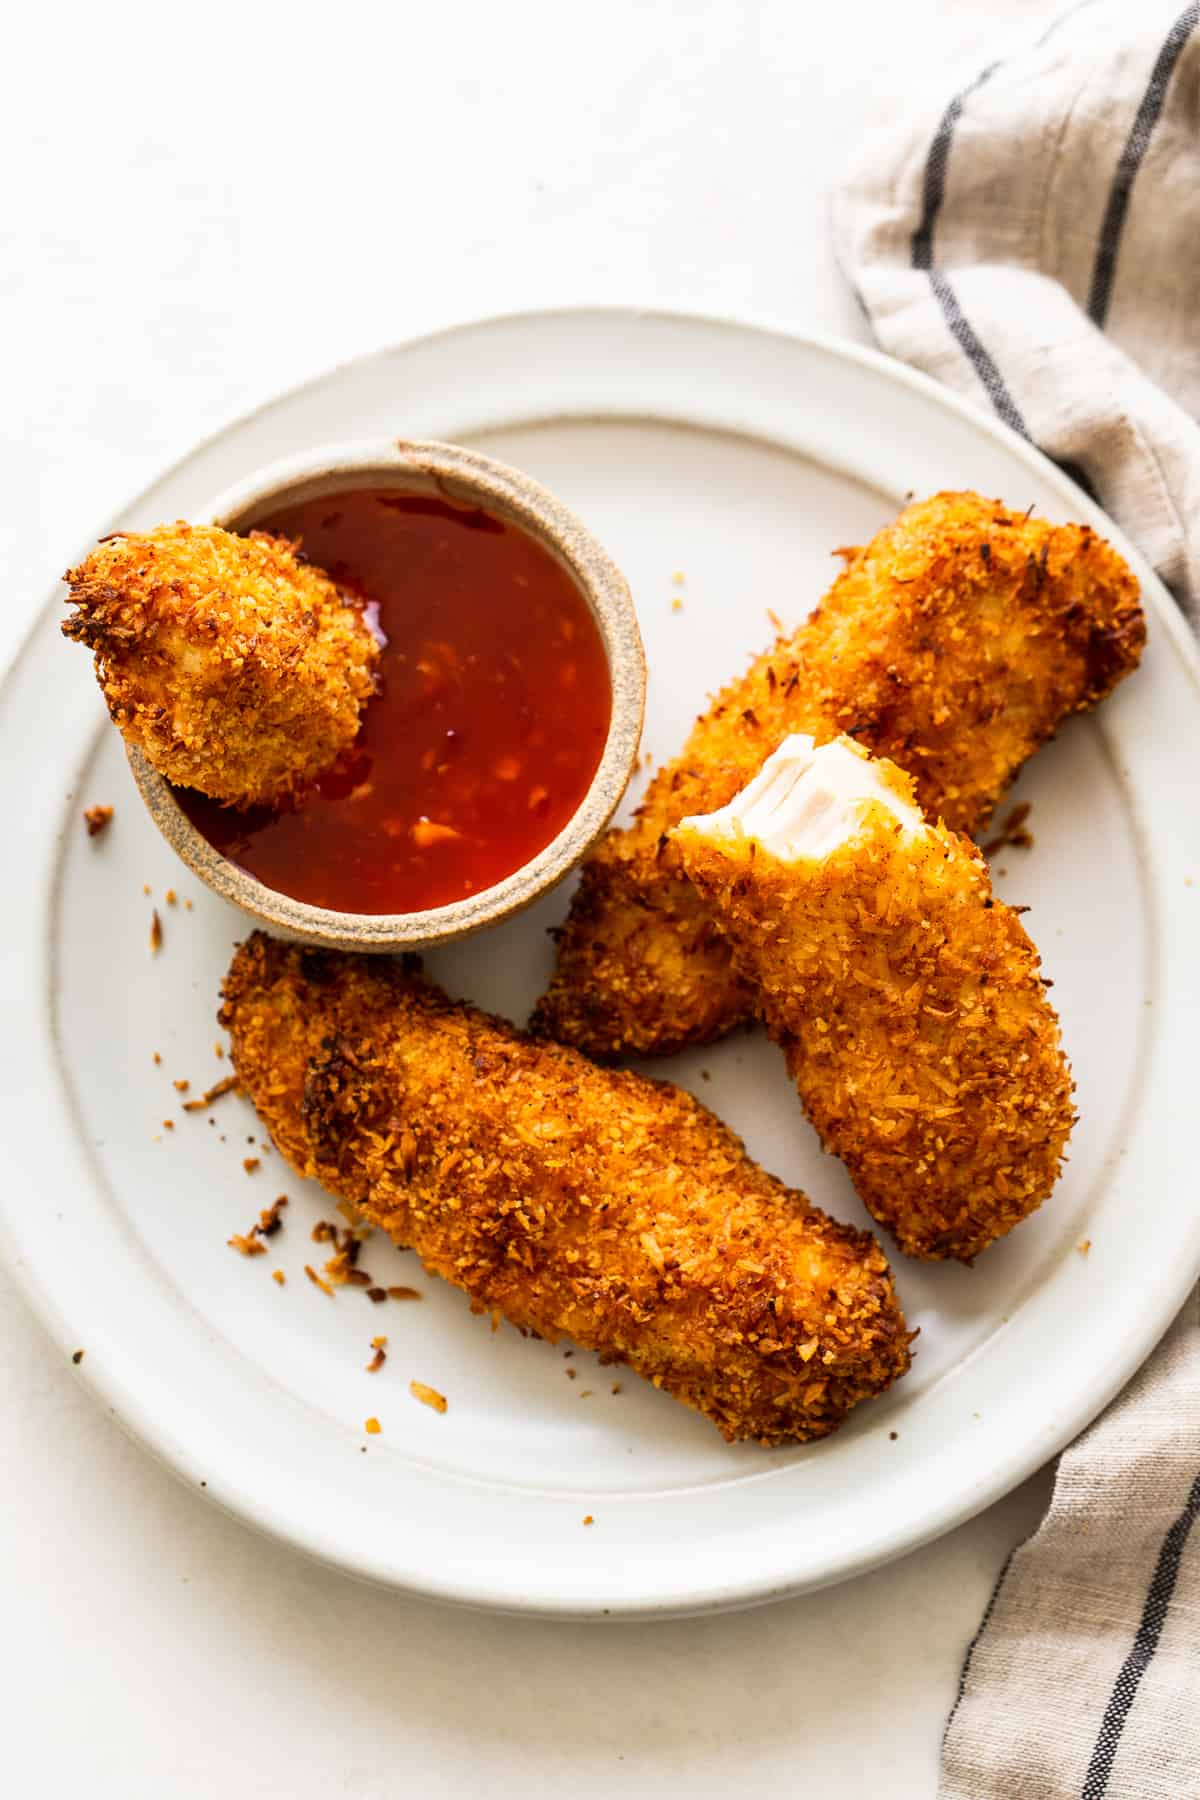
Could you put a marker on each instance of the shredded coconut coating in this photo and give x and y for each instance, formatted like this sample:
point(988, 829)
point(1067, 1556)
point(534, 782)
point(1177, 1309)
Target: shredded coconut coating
point(956, 643)
point(235, 666)
point(573, 1200)
point(914, 1018)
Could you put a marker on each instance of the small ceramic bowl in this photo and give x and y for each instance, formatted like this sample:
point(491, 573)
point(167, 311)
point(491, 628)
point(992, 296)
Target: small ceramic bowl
point(455, 474)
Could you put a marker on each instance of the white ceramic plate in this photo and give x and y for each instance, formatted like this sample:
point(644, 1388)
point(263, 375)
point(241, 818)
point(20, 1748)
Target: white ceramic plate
point(741, 457)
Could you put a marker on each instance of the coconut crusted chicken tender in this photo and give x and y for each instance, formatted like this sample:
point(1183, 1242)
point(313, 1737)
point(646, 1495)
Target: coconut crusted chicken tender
point(233, 665)
point(956, 642)
point(571, 1199)
point(908, 1000)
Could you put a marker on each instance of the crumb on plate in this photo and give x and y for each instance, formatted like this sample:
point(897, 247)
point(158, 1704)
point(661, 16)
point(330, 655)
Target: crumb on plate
point(1013, 832)
point(210, 1094)
point(247, 1243)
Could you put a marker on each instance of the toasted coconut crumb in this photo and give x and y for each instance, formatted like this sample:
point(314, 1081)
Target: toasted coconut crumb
point(247, 1243)
point(157, 1059)
point(145, 887)
point(156, 932)
point(181, 1087)
point(250, 1163)
point(676, 604)
point(379, 1346)
point(219, 1051)
point(1012, 832)
point(77, 1357)
point(340, 1268)
point(570, 1374)
point(376, 1295)
point(269, 1221)
point(279, 1276)
point(96, 818)
point(1084, 1247)
point(403, 1293)
point(373, 1427)
point(588, 1519)
point(170, 897)
point(316, 1280)
point(428, 1396)
point(210, 1094)
point(268, 1224)
point(774, 620)
point(168, 1124)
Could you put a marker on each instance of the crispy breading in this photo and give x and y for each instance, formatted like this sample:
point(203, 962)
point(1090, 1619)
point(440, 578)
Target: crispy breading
point(908, 1000)
point(235, 666)
point(572, 1199)
point(956, 642)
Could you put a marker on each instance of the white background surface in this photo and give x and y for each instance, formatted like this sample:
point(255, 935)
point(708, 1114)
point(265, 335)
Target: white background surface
point(194, 216)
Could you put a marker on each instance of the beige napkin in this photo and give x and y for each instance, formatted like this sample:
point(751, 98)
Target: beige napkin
point(1034, 241)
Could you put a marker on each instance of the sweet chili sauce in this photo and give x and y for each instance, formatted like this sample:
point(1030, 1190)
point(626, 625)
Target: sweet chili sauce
point(490, 719)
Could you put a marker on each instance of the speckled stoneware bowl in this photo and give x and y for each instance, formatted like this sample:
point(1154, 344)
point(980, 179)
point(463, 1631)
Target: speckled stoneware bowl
point(462, 475)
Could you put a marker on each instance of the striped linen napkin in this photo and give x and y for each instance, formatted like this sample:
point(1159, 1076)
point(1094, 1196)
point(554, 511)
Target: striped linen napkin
point(1034, 241)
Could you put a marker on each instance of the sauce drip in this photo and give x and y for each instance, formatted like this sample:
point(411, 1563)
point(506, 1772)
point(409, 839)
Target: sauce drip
point(490, 720)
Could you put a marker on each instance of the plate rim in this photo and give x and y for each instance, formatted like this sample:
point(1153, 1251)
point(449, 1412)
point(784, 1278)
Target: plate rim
point(148, 1431)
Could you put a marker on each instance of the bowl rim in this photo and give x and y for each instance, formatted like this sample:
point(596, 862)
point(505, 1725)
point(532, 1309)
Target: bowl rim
point(461, 473)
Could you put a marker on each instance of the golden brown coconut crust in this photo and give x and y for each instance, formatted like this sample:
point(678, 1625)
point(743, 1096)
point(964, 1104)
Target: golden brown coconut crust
point(914, 1017)
point(236, 667)
point(958, 640)
point(574, 1200)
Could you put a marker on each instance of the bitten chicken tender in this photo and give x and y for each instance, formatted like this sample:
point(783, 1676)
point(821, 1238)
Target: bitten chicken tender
point(956, 642)
point(571, 1199)
point(907, 999)
point(235, 666)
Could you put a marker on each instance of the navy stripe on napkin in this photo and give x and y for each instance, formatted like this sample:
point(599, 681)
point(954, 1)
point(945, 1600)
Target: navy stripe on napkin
point(1131, 159)
point(1145, 1643)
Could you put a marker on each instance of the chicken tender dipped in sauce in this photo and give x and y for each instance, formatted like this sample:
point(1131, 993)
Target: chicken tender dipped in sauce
point(237, 668)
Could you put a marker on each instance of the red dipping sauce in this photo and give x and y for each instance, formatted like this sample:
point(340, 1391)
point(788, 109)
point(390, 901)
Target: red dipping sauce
point(489, 723)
